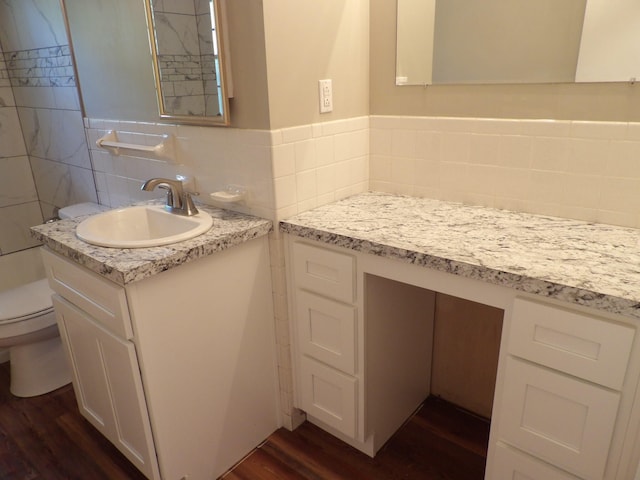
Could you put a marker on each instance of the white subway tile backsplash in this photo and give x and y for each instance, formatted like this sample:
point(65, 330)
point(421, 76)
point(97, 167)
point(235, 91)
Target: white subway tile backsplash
point(550, 153)
point(599, 130)
point(283, 159)
point(584, 170)
point(297, 134)
point(305, 155)
point(403, 143)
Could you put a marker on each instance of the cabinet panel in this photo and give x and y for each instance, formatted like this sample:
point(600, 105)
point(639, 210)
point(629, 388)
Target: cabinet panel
point(327, 331)
point(328, 395)
point(587, 347)
point(509, 463)
point(108, 385)
point(105, 301)
point(557, 418)
point(324, 271)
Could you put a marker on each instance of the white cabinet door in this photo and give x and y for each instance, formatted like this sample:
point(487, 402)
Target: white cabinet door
point(560, 419)
point(107, 383)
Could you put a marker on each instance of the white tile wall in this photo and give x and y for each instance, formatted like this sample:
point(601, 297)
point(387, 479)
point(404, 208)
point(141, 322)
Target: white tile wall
point(317, 164)
point(574, 169)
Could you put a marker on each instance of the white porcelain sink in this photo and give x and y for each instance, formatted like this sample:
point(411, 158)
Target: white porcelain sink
point(141, 226)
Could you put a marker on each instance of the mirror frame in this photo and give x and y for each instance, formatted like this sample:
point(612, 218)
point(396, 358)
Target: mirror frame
point(222, 120)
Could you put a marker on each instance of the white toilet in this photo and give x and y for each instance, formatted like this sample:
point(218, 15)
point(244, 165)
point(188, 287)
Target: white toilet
point(29, 331)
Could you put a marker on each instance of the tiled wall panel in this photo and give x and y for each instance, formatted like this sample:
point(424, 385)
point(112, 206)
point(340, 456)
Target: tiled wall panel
point(582, 170)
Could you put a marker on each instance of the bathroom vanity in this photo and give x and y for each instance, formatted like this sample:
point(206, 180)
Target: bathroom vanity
point(173, 348)
point(565, 403)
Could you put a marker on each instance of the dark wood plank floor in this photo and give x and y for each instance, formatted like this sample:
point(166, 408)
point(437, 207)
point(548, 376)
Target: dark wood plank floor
point(46, 438)
point(440, 442)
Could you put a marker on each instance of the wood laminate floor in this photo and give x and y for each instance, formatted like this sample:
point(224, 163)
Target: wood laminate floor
point(46, 438)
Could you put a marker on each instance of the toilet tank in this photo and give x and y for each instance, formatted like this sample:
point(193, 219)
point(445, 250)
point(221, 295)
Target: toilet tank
point(80, 209)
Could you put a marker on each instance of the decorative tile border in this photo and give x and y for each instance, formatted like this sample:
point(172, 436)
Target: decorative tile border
point(41, 67)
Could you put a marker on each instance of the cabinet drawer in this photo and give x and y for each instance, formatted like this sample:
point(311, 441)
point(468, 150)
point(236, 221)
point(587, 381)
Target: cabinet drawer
point(328, 395)
point(324, 271)
point(560, 419)
point(103, 300)
point(509, 463)
point(587, 347)
point(327, 331)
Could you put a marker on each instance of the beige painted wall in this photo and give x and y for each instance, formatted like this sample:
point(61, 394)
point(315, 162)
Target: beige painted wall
point(308, 40)
point(250, 107)
point(610, 102)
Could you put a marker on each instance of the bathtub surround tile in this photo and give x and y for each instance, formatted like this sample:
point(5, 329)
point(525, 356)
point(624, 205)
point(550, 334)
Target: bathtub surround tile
point(50, 66)
point(56, 135)
point(11, 143)
point(16, 181)
point(46, 25)
point(59, 184)
point(16, 221)
point(6, 96)
point(61, 98)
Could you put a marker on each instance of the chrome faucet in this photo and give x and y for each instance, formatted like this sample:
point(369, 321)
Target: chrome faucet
point(178, 201)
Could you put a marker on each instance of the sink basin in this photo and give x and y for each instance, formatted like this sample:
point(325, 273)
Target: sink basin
point(141, 226)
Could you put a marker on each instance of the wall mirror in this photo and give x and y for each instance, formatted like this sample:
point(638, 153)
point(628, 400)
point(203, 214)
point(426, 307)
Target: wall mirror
point(186, 44)
point(517, 41)
point(115, 50)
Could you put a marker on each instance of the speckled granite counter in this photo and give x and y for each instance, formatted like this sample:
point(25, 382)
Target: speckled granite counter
point(584, 263)
point(124, 266)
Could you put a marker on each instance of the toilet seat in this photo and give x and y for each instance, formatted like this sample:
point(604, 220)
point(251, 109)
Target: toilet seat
point(25, 309)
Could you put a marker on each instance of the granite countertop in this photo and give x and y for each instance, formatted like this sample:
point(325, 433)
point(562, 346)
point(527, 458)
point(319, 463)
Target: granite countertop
point(590, 264)
point(126, 265)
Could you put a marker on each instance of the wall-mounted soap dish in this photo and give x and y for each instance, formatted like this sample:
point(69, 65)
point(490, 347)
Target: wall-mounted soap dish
point(232, 194)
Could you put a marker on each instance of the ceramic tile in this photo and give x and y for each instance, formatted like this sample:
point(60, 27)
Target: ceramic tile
point(14, 226)
point(11, 142)
point(56, 135)
point(16, 182)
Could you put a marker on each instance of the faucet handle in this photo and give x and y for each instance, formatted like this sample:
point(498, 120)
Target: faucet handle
point(188, 207)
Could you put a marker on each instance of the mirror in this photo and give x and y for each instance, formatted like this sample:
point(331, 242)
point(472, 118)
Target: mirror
point(516, 41)
point(187, 52)
point(115, 58)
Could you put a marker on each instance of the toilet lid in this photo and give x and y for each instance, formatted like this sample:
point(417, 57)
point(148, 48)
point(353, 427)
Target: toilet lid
point(25, 301)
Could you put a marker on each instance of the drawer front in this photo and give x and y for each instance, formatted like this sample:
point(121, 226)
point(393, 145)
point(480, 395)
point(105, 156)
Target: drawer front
point(324, 271)
point(327, 331)
point(103, 300)
point(328, 395)
point(509, 463)
point(587, 347)
point(560, 419)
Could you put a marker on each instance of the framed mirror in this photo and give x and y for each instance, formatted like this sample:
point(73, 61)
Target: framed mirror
point(187, 47)
point(115, 49)
point(517, 41)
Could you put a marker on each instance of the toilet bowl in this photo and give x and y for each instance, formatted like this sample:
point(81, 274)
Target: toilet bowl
point(28, 329)
point(29, 332)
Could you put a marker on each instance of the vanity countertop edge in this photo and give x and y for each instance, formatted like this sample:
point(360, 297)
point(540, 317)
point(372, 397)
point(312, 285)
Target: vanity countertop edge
point(127, 265)
point(589, 264)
